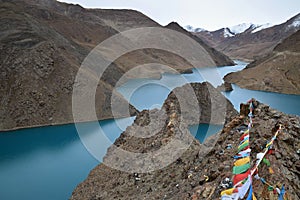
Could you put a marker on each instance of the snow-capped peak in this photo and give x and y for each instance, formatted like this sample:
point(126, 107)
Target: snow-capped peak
point(240, 28)
point(192, 29)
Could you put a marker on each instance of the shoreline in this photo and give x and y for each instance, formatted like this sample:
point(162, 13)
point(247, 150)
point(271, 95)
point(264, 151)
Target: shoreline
point(254, 88)
point(4, 131)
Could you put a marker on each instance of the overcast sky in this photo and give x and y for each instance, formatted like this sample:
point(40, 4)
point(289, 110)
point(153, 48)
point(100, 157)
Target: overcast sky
point(208, 14)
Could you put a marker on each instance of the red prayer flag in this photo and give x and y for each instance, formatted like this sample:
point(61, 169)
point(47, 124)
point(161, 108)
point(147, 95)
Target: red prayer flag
point(271, 151)
point(239, 177)
point(243, 136)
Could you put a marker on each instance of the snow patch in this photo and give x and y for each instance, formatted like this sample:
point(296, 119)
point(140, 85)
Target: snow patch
point(261, 27)
point(296, 23)
point(227, 33)
point(192, 29)
point(240, 28)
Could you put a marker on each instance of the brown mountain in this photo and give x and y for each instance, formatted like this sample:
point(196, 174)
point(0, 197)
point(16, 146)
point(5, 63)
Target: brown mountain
point(250, 44)
point(43, 43)
point(277, 72)
point(218, 56)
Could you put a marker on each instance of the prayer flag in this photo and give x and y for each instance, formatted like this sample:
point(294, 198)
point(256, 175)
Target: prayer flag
point(243, 145)
point(267, 162)
point(239, 177)
point(242, 161)
point(282, 191)
point(228, 191)
point(244, 188)
point(230, 197)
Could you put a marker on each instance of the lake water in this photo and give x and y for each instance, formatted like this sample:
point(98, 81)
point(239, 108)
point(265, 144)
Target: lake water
point(48, 162)
point(148, 93)
point(202, 131)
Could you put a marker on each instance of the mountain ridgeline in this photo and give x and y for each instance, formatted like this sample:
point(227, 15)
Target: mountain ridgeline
point(44, 42)
point(249, 41)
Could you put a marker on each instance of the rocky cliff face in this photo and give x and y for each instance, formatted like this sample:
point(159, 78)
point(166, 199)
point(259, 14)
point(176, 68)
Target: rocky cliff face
point(43, 44)
point(277, 72)
point(201, 169)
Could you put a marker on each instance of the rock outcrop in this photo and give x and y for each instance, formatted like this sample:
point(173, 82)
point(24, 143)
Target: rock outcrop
point(277, 72)
point(200, 170)
point(225, 87)
point(43, 44)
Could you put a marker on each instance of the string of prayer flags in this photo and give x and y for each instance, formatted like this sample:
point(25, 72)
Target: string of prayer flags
point(260, 156)
point(242, 179)
point(270, 187)
point(241, 169)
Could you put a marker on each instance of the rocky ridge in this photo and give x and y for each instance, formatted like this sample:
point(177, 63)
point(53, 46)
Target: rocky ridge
point(198, 173)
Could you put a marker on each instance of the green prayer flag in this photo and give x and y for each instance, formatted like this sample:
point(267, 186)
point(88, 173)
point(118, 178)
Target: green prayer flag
point(241, 169)
point(242, 146)
point(267, 162)
point(270, 188)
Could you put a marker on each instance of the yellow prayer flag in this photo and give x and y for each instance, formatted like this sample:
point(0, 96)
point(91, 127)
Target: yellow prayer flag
point(253, 196)
point(242, 161)
point(227, 192)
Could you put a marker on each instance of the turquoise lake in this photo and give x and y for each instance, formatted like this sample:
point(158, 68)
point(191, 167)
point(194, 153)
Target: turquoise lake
point(48, 162)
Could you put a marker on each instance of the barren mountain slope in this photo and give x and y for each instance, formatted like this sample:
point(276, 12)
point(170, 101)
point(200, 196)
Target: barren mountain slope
point(44, 42)
point(277, 72)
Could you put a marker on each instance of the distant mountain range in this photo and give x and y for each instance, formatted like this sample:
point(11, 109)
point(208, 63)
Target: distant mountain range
point(247, 41)
point(234, 30)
